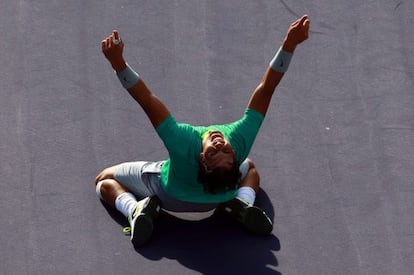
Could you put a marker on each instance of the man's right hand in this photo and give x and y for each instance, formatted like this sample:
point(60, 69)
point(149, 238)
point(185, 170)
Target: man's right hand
point(112, 48)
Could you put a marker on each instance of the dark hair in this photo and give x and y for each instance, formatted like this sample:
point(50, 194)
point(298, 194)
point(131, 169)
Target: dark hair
point(219, 180)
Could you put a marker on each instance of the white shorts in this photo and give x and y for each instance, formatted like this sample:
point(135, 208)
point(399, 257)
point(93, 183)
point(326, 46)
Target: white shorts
point(143, 179)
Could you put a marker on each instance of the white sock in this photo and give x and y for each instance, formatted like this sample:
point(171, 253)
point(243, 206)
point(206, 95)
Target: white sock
point(246, 194)
point(126, 203)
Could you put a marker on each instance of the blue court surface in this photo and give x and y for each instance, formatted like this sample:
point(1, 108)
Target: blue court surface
point(335, 152)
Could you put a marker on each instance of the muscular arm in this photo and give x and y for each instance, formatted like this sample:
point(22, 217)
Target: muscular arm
point(155, 109)
point(262, 95)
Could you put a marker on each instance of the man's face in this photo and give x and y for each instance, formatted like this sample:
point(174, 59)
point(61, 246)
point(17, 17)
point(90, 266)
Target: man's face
point(216, 151)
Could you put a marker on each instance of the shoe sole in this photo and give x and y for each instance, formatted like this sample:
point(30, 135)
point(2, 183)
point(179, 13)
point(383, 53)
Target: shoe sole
point(252, 218)
point(256, 221)
point(144, 225)
point(142, 230)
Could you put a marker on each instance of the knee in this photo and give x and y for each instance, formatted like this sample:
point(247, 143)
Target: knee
point(107, 173)
point(108, 190)
point(252, 179)
point(106, 185)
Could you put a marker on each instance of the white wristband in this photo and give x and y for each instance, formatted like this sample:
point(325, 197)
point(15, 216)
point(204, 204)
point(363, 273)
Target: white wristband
point(281, 61)
point(128, 77)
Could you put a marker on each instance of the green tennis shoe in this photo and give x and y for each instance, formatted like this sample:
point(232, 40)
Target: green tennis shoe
point(142, 220)
point(251, 217)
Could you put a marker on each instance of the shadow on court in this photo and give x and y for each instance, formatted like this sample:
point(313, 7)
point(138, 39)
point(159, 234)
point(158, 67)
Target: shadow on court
point(210, 245)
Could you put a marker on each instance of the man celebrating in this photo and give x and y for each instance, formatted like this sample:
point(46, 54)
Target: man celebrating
point(208, 166)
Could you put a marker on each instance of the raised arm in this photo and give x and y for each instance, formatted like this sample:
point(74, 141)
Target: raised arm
point(262, 95)
point(112, 48)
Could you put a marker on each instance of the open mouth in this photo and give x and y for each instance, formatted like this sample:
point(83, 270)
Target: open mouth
point(216, 136)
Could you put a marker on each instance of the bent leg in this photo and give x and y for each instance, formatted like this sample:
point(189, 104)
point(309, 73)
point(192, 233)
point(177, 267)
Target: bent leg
point(109, 190)
point(107, 187)
point(250, 183)
point(242, 207)
point(140, 214)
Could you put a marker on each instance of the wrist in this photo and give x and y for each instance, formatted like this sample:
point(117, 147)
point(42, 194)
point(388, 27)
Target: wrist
point(288, 46)
point(281, 60)
point(128, 77)
point(119, 64)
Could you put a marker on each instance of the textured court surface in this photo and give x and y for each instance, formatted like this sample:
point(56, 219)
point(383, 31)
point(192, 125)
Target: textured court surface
point(336, 151)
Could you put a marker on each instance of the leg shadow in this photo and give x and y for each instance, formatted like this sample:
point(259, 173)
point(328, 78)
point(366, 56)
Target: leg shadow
point(211, 245)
